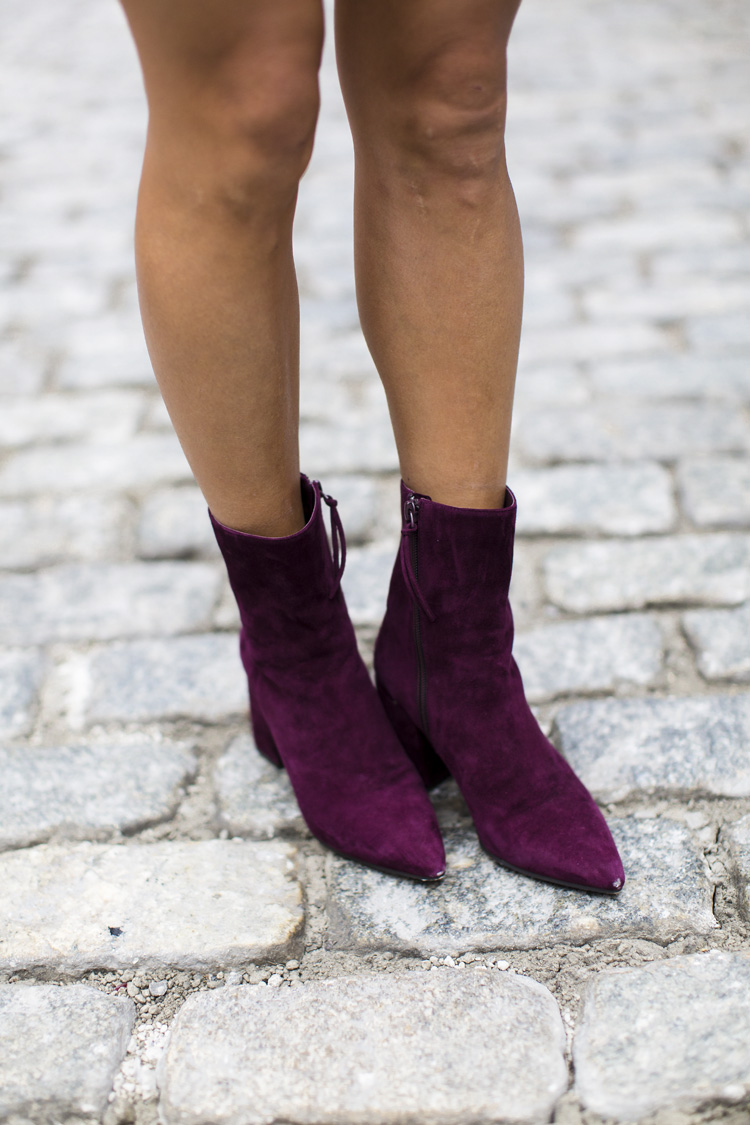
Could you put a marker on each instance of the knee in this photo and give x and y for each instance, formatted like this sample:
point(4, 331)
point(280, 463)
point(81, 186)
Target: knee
point(451, 120)
point(249, 131)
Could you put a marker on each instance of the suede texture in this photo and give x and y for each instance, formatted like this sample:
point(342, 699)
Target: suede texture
point(530, 809)
point(313, 706)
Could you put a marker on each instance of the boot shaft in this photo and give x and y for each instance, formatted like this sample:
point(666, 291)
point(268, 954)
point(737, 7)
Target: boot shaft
point(287, 588)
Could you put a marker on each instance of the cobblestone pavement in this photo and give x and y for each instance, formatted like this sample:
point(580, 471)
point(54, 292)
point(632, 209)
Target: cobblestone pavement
point(155, 876)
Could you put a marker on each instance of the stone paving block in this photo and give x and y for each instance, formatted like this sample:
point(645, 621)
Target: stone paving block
point(105, 351)
point(688, 227)
point(674, 1034)
point(717, 334)
point(721, 639)
point(715, 491)
point(688, 569)
point(174, 523)
point(480, 905)
point(358, 498)
point(583, 343)
point(594, 500)
point(677, 746)
point(108, 416)
point(625, 432)
point(737, 836)
point(558, 382)
point(675, 376)
point(88, 791)
point(144, 461)
point(20, 676)
point(443, 1047)
point(100, 602)
point(599, 654)
point(71, 908)
point(59, 1050)
point(198, 678)
point(364, 447)
point(366, 580)
point(49, 530)
point(254, 796)
point(22, 368)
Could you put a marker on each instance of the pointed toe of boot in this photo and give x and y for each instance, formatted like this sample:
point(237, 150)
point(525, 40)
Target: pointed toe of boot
point(567, 843)
point(395, 832)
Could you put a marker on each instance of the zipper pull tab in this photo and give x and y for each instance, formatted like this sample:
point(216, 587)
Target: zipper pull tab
point(408, 554)
point(411, 512)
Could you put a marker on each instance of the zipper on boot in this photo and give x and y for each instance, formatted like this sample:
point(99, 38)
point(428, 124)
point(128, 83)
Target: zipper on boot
point(411, 513)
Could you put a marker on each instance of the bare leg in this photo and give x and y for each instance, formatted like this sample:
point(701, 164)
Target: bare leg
point(232, 88)
point(437, 240)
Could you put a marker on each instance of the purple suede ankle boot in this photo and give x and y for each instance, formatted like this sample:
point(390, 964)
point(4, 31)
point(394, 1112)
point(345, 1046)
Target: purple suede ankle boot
point(454, 695)
point(313, 706)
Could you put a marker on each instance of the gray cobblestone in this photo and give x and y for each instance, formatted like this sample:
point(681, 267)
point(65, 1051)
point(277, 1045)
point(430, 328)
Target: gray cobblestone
point(174, 523)
point(144, 461)
point(255, 798)
point(592, 577)
point(628, 747)
point(88, 791)
point(366, 579)
point(20, 676)
point(675, 376)
point(721, 639)
point(435, 1047)
point(737, 835)
point(43, 530)
point(327, 449)
point(102, 602)
point(628, 499)
point(600, 654)
point(59, 1051)
point(359, 504)
point(619, 432)
point(106, 417)
point(480, 905)
point(197, 678)
point(71, 908)
point(105, 352)
point(579, 343)
point(715, 492)
point(674, 1034)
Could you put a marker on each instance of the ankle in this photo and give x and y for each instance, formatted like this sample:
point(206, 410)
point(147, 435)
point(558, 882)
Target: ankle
point(272, 517)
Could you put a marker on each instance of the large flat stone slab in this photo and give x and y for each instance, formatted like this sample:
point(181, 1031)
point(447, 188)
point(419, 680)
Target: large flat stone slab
point(443, 1047)
point(198, 677)
point(721, 639)
point(480, 905)
point(715, 491)
point(67, 909)
point(679, 569)
point(20, 676)
point(80, 792)
point(599, 654)
point(594, 500)
point(625, 747)
point(673, 1034)
point(101, 602)
point(59, 1050)
point(255, 797)
point(737, 836)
